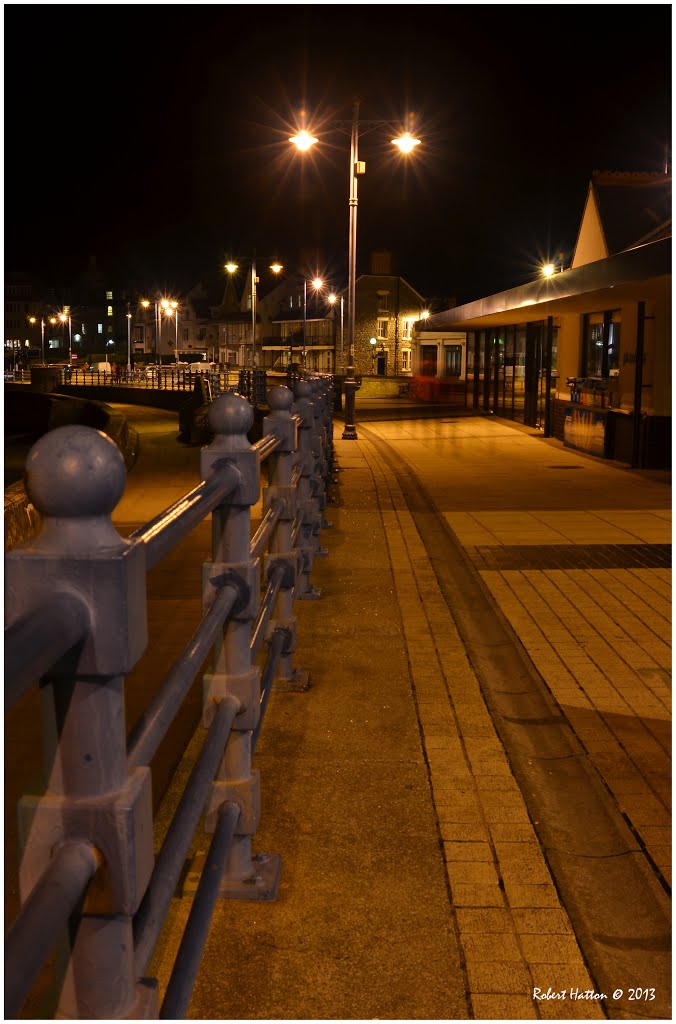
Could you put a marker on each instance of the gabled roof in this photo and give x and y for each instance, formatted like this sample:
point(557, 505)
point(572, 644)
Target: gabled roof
point(622, 210)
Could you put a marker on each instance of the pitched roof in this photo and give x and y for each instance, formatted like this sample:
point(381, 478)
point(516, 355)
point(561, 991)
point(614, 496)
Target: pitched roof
point(634, 208)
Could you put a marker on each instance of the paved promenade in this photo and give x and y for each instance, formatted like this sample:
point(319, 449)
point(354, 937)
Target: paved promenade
point(472, 799)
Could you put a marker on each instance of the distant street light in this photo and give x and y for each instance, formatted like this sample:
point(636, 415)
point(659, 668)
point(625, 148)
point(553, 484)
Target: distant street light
point(170, 309)
point(65, 319)
point(405, 142)
point(158, 324)
point(317, 284)
point(33, 320)
point(128, 339)
point(232, 268)
point(333, 299)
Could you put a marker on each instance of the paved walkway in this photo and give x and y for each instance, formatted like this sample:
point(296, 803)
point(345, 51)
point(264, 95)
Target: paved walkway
point(472, 801)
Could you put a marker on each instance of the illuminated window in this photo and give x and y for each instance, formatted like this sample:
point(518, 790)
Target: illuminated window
point(406, 359)
point(99, 328)
point(110, 310)
point(109, 296)
point(382, 328)
point(406, 330)
point(601, 344)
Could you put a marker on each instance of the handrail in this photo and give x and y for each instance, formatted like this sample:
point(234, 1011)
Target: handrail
point(47, 633)
point(171, 526)
point(150, 917)
point(152, 726)
point(80, 589)
point(46, 911)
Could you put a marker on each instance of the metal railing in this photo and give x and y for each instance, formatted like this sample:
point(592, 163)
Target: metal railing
point(77, 624)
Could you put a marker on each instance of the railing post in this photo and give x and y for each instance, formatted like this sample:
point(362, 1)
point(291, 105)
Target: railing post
point(75, 477)
point(307, 488)
point(280, 466)
point(246, 876)
point(324, 446)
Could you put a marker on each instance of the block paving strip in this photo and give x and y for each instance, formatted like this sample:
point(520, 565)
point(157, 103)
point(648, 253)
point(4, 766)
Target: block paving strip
point(605, 655)
point(514, 934)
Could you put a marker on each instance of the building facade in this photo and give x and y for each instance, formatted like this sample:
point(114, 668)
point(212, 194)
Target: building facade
point(585, 354)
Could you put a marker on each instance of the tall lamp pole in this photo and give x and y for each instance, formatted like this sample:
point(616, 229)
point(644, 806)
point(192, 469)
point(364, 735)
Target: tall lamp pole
point(333, 299)
point(350, 384)
point(232, 267)
point(253, 312)
point(65, 317)
point(303, 140)
point(304, 322)
point(128, 339)
point(33, 320)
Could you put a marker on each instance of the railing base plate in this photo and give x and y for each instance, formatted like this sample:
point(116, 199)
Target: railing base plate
point(263, 884)
point(298, 683)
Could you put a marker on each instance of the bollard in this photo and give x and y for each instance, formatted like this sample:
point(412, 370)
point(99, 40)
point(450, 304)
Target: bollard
point(246, 876)
point(75, 476)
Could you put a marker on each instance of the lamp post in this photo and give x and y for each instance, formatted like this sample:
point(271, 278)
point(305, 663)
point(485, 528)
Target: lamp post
point(304, 141)
point(333, 299)
point(317, 284)
point(33, 320)
point(128, 339)
point(170, 309)
point(159, 304)
point(65, 318)
point(232, 267)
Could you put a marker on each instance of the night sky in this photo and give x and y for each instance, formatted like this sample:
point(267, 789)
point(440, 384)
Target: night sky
point(155, 136)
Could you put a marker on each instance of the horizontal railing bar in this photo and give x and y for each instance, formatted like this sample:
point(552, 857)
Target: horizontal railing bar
point(152, 726)
point(179, 990)
point(266, 446)
point(149, 919)
point(265, 609)
point(36, 641)
point(262, 534)
point(172, 525)
point(277, 642)
point(36, 928)
point(295, 529)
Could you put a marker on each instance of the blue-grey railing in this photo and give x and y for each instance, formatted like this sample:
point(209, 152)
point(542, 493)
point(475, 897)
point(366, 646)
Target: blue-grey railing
point(77, 624)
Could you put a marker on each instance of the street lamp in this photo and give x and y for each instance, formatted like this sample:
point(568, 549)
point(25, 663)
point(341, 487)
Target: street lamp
point(170, 308)
point(65, 318)
point(32, 320)
point(317, 284)
point(128, 339)
point(333, 299)
point(232, 267)
point(158, 325)
point(405, 143)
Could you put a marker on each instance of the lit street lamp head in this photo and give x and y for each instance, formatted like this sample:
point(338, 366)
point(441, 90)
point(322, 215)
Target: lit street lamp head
point(303, 140)
point(406, 142)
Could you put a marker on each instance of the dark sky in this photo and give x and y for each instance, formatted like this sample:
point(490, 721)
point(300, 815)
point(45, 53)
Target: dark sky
point(155, 136)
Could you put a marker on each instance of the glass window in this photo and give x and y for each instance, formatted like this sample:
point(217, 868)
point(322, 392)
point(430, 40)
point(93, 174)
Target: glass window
point(601, 344)
point(406, 330)
point(109, 296)
point(110, 311)
point(99, 328)
point(382, 328)
point(406, 359)
point(383, 302)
